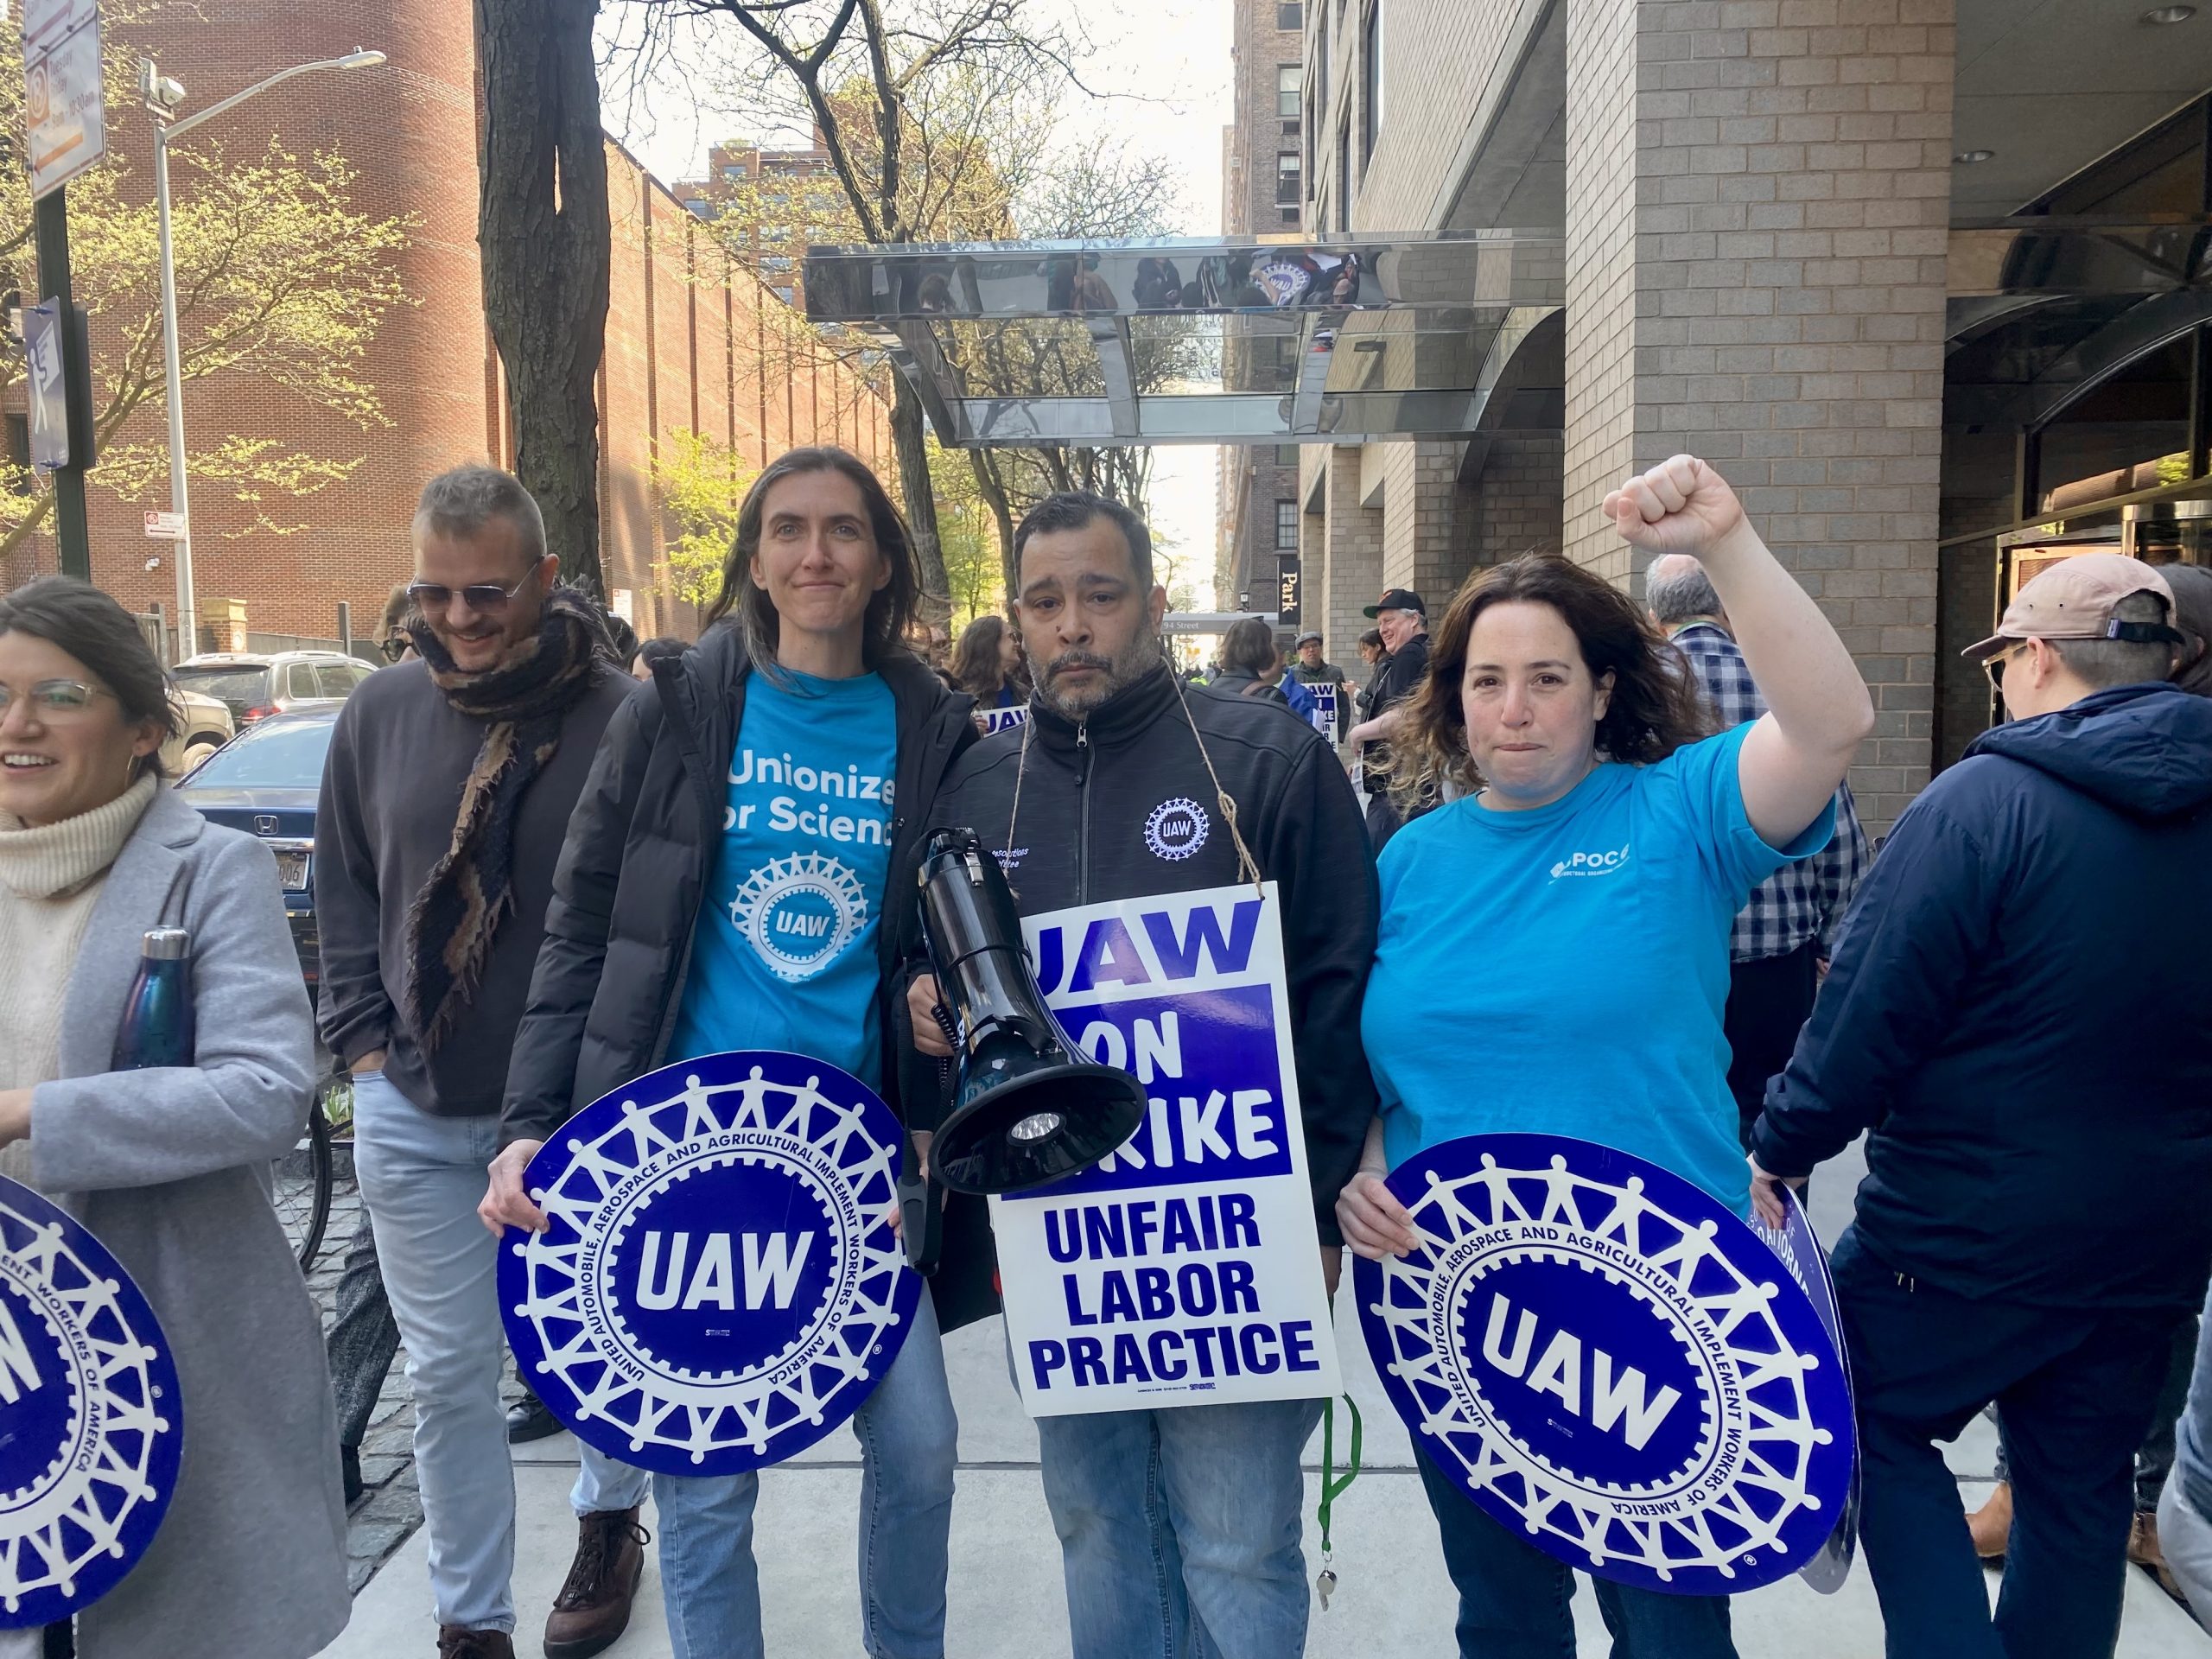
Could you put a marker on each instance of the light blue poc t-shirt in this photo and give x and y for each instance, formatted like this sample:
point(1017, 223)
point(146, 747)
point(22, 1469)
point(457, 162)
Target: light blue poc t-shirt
point(1563, 971)
point(784, 954)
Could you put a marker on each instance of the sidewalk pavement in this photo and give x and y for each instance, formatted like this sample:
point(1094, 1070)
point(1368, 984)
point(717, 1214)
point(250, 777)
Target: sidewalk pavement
point(1392, 1601)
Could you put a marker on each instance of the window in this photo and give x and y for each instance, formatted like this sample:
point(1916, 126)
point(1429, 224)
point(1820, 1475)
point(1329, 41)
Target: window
point(734, 170)
point(1286, 454)
point(1287, 76)
point(783, 294)
point(1290, 14)
point(1370, 84)
point(1290, 216)
point(1288, 178)
point(1285, 527)
point(777, 262)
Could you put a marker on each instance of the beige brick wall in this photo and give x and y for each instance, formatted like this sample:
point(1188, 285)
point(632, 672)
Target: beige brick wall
point(1757, 200)
point(1350, 540)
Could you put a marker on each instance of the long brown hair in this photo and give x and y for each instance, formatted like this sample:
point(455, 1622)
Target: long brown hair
point(890, 610)
point(1654, 708)
point(976, 664)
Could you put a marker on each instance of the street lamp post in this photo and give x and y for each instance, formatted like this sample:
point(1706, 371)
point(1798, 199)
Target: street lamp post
point(162, 95)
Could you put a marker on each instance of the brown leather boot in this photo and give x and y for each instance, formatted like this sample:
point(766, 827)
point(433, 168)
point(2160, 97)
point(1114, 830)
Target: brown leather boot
point(2143, 1551)
point(455, 1643)
point(1990, 1526)
point(593, 1609)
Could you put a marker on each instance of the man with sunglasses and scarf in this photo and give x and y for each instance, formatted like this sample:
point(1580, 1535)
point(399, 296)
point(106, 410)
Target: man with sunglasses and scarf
point(2020, 1016)
point(445, 801)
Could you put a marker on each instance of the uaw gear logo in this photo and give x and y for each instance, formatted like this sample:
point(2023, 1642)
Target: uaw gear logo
point(799, 914)
point(91, 1431)
point(1176, 829)
point(1612, 1364)
point(719, 1286)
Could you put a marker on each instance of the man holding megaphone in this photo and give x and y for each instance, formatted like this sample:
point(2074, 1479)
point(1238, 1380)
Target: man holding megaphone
point(1121, 788)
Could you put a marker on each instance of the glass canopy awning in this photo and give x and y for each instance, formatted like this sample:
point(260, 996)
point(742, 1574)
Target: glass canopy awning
point(1238, 340)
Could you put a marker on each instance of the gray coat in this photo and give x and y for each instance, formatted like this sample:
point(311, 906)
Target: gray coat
point(169, 1169)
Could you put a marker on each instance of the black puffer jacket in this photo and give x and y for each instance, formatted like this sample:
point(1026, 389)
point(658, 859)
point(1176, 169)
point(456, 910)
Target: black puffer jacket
point(626, 893)
point(1121, 807)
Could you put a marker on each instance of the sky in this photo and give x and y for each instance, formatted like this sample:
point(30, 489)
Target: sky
point(1165, 68)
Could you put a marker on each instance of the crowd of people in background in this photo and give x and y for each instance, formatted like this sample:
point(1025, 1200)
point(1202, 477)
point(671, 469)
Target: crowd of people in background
point(2011, 1003)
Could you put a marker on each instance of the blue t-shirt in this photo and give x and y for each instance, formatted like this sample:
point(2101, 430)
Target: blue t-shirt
point(1563, 971)
point(784, 954)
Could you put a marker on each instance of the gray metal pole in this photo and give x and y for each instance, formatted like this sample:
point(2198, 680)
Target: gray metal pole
point(188, 630)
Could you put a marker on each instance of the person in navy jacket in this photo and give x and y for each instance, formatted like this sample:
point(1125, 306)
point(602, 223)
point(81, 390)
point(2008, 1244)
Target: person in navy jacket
point(2020, 1012)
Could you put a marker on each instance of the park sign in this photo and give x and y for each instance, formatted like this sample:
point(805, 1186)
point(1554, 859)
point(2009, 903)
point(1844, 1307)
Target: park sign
point(64, 115)
point(89, 1398)
point(718, 1286)
point(1185, 1269)
point(1612, 1364)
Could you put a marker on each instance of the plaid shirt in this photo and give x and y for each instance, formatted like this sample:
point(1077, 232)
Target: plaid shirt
point(1802, 900)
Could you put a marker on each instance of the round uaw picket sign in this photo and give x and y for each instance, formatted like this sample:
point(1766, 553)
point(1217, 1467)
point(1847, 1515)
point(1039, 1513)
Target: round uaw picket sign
point(1611, 1364)
point(719, 1286)
point(90, 1427)
point(1799, 1246)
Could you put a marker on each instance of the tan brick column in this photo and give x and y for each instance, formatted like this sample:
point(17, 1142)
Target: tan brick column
point(1350, 575)
point(1757, 193)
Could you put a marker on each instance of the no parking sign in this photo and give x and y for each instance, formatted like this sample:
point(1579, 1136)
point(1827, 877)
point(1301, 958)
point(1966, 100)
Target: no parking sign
point(719, 1286)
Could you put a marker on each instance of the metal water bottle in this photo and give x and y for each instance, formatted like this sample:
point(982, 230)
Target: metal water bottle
point(157, 1016)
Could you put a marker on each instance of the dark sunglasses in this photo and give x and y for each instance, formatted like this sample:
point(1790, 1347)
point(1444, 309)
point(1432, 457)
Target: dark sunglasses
point(433, 597)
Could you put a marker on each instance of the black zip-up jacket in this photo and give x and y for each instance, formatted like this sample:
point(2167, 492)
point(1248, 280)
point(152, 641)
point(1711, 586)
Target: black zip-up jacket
point(1089, 820)
point(610, 976)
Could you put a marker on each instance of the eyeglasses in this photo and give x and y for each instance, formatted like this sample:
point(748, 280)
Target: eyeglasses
point(486, 597)
point(396, 647)
point(57, 699)
point(1994, 666)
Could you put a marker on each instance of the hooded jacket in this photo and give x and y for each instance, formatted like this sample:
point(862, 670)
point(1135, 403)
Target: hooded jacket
point(627, 891)
point(1101, 804)
point(2020, 1010)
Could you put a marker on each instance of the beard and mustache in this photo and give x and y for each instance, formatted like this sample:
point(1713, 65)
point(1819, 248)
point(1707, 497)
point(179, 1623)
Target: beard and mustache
point(1117, 673)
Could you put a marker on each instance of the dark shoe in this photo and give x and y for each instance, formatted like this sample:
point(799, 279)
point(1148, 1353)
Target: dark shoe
point(593, 1609)
point(349, 1471)
point(1990, 1526)
point(528, 1419)
point(454, 1643)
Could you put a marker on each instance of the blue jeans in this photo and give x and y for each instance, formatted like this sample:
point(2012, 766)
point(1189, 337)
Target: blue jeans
point(1180, 1528)
point(421, 1178)
point(909, 1444)
point(2076, 1387)
point(1516, 1601)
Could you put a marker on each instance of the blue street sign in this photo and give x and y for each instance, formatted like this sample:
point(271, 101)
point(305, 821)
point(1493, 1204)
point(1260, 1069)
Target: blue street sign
point(46, 385)
point(720, 1286)
point(1612, 1364)
point(91, 1408)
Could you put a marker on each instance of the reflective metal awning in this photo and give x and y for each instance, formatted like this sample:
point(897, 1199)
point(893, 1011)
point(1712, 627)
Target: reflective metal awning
point(1242, 339)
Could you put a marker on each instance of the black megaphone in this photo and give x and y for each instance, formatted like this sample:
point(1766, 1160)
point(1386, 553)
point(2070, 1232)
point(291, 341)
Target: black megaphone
point(1025, 1111)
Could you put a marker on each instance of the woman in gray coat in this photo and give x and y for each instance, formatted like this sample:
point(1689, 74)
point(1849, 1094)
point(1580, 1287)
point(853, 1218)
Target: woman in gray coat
point(170, 1166)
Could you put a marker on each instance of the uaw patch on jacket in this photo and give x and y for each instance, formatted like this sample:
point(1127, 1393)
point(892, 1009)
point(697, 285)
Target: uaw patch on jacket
point(719, 1286)
point(89, 1411)
point(1612, 1364)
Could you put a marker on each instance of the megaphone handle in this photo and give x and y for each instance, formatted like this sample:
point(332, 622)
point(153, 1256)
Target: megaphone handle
point(921, 1211)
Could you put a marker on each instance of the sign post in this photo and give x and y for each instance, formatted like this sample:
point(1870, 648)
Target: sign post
point(66, 132)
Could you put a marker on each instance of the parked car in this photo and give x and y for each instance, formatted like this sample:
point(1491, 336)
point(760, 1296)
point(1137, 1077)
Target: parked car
point(266, 782)
point(203, 726)
point(278, 682)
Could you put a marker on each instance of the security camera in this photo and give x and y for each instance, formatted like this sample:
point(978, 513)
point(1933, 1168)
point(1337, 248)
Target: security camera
point(161, 94)
point(153, 563)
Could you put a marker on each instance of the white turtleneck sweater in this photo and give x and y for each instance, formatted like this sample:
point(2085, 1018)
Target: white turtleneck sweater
point(50, 878)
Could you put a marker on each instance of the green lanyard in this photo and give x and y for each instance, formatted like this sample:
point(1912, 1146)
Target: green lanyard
point(1332, 1489)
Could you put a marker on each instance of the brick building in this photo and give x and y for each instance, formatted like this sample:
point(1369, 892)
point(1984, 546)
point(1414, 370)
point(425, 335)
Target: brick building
point(1262, 193)
point(1801, 239)
point(686, 339)
point(773, 247)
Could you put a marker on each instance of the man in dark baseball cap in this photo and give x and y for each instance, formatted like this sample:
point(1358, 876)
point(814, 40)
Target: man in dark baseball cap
point(1403, 620)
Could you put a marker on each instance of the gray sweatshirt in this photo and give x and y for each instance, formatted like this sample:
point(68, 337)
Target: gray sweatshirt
point(391, 794)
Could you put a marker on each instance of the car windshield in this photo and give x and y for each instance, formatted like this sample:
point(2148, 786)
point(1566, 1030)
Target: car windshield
point(273, 755)
point(241, 687)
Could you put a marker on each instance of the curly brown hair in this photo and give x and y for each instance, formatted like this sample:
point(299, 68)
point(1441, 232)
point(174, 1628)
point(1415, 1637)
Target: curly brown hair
point(1655, 707)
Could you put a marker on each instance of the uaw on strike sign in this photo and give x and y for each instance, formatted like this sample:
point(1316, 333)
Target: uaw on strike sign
point(1613, 1366)
point(1185, 1269)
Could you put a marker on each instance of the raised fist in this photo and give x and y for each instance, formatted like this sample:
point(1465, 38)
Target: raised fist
point(1682, 505)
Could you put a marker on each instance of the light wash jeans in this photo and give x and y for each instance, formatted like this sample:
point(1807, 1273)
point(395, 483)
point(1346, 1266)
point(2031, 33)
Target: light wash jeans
point(1179, 1529)
point(909, 1443)
point(421, 1178)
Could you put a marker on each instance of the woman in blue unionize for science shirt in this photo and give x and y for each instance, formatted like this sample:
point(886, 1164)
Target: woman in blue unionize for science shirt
point(1553, 949)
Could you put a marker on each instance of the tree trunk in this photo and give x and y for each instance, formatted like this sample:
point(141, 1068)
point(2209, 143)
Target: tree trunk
point(993, 490)
point(541, 220)
point(908, 442)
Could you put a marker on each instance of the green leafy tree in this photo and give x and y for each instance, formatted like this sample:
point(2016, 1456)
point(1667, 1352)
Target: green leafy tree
point(702, 483)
